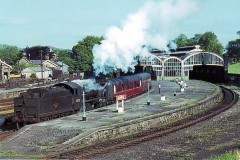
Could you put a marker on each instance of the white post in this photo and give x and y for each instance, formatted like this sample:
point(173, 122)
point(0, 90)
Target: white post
point(121, 109)
point(84, 108)
point(117, 105)
point(123, 103)
point(148, 101)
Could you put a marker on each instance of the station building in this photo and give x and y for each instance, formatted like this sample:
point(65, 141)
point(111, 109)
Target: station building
point(185, 63)
point(5, 70)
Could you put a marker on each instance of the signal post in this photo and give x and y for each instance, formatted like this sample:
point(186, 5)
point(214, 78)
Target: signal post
point(120, 98)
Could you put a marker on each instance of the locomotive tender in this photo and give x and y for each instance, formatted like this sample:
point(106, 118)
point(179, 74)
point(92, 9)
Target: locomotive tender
point(41, 104)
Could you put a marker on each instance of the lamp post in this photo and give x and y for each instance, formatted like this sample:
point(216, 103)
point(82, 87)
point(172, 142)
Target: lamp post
point(84, 107)
point(41, 65)
point(148, 102)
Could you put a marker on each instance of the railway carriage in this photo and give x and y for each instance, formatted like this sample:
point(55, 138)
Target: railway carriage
point(130, 86)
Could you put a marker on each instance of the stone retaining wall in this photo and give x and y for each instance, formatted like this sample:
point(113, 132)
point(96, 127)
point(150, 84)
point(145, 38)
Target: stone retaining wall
point(135, 126)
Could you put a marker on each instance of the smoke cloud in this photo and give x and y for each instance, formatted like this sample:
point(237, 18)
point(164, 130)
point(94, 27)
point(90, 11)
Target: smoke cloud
point(89, 84)
point(151, 26)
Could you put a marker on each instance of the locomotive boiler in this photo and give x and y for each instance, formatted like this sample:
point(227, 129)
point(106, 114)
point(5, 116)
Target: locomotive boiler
point(62, 99)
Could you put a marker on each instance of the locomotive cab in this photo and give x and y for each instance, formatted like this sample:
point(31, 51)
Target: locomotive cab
point(109, 92)
point(76, 92)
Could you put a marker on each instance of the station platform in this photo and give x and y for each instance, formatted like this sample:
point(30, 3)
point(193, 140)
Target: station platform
point(38, 138)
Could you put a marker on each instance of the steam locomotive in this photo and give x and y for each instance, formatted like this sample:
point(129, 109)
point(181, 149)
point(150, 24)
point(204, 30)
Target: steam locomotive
point(62, 99)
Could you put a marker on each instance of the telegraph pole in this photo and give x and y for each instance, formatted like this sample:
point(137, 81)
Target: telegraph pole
point(41, 65)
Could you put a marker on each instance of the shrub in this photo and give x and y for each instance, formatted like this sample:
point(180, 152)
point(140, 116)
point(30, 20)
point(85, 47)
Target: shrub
point(33, 75)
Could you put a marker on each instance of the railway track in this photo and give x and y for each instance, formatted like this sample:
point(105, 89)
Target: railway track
point(6, 134)
point(230, 98)
point(6, 112)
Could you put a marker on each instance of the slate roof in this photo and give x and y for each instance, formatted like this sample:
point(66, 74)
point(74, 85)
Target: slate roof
point(37, 69)
point(36, 61)
point(61, 63)
point(5, 64)
point(43, 61)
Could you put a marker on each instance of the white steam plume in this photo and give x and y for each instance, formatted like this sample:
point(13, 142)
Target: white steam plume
point(152, 26)
point(89, 84)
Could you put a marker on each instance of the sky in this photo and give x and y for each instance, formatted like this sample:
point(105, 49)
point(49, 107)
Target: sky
point(62, 23)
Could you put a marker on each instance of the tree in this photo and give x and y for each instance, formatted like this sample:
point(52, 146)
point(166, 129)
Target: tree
point(181, 40)
point(33, 75)
point(233, 50)
point(194, 40)
point(82, 53)
point(210, 43)
point(64, 55)
point(238, 32)
point(9, 54)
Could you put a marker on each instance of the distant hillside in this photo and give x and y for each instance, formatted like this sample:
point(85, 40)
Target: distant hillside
point(19, 48)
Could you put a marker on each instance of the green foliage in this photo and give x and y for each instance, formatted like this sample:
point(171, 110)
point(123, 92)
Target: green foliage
point(238, 32)
point(33, 75)
point(19, 66)
point(7, 154)
point(208, 42)
point(82, 53)
point(15, 155)
point(64, 55)
point(181, 40)
point(233, 50)
point(9, 54)
point(232, 155)
point(195, 40)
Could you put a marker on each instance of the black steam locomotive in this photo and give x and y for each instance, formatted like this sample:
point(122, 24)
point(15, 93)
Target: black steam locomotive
point(41, 104)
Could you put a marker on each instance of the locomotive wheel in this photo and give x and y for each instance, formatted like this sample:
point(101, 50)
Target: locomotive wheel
point(20, 124)
point(104, 104)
